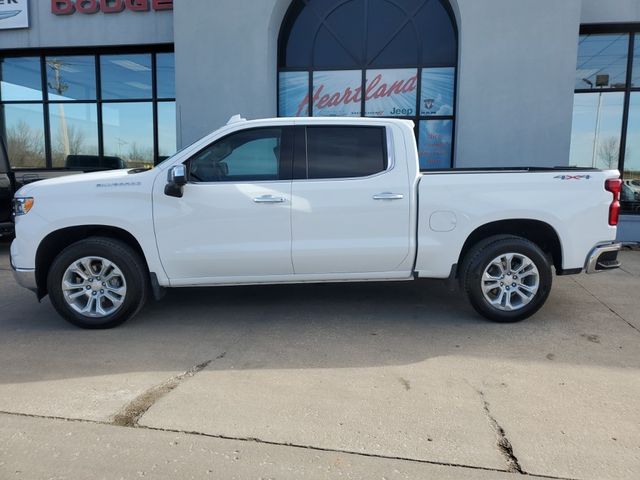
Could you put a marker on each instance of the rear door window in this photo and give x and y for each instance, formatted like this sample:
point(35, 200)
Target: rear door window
point(345, 152)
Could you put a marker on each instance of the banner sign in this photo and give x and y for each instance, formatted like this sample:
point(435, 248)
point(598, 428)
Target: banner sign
point(14, 14)
point(437, 91)
point(337, 94)
point(69, 7)
point(294, 94)
point(391, 93)
point(434, 144)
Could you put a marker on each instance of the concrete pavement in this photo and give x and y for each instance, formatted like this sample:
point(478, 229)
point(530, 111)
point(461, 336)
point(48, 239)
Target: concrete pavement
point(388, 380)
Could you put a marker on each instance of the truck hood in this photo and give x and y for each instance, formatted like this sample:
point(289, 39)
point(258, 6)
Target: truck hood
point(100, 179)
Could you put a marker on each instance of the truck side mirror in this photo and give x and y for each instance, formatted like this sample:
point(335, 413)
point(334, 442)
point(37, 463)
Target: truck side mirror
point(176, 180)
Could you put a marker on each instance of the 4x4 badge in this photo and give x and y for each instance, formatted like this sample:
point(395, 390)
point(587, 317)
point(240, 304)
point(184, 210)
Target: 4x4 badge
point(573, 177)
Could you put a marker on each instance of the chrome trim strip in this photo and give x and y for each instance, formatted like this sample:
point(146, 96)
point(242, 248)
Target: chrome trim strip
point(596, 253)
point(25, 277)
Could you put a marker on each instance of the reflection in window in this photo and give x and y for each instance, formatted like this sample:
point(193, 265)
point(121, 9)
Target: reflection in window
point(128, 132)
point(20, 79)
point(636, 63)
point(246, 155)
point(597, 128)
point(71, 78)
point(23, 128)
point(602, 61)
point(126, 76)
point(631, 176)
point(391, 93)
point(74, 135)
point(166, 68)
point(434, 144)
point(166, 129)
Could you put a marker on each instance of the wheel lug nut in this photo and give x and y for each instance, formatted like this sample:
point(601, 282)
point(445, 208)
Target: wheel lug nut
point(513, 285)
point(101, 291)
point(502, 284)
point(515, 277)
point(104, 284)
point(95, 293)
point(507, 288)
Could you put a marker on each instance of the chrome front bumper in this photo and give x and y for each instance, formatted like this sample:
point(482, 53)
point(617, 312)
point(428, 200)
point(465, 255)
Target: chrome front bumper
point(603, 258)
point(25, 277)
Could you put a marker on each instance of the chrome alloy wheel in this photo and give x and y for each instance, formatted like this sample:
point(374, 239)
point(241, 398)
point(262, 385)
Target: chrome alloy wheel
point(510, 282)
point(94, 287)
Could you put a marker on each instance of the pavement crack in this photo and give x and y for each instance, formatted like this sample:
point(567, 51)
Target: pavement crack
point(284, 444)
point(130, 415)
point(503, 443)
point(607, 306)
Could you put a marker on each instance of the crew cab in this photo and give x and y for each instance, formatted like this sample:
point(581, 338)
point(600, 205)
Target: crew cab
point(309, 200)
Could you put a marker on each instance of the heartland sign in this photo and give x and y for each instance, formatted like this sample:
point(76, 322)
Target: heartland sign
point(14, 14)
point(69, 7)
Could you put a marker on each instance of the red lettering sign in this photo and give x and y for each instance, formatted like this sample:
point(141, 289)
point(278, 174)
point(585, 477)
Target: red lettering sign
point(112, 6)
point(62, 7)
point(374, 89)
point(69, 7)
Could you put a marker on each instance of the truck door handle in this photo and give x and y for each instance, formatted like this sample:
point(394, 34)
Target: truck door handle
point(388, 196)
point(268, 199)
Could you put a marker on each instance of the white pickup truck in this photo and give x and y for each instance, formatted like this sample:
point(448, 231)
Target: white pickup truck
point(309, 200)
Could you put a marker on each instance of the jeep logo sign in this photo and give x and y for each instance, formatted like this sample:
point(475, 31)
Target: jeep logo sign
point(69, 7)
point(14, 14)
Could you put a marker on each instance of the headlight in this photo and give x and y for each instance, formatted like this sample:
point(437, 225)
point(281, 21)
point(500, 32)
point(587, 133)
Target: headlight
point(22, 205)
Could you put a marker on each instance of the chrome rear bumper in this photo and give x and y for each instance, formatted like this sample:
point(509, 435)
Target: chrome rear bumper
point(25, 277)
point(603, 258)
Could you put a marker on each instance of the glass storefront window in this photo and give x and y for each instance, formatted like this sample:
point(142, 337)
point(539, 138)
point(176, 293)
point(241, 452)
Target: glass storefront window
point(20, 79)
point(631, 175)
point(128, 132)
point(59, 118)
point(391, 93)
point(166, 129)
point(71, 77)
point(166, 75)
point(23, 127)
point(293, 94)
point(602, 61)
point(597, 128)
point(74, 135)
point(372, 68)
point(437, 91)
point(126, 76)
point(337, 93)
point(435, 140)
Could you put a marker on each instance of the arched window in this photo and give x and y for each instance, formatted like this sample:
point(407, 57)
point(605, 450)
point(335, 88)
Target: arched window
point(374, 58)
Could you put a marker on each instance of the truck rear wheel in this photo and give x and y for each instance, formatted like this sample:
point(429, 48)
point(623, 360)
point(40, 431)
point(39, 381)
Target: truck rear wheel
point(98, 283)
point(506, 278)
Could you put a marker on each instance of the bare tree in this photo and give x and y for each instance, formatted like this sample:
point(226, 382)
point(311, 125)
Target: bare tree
point(140, 156)
point(609, 152)
point(25, 146)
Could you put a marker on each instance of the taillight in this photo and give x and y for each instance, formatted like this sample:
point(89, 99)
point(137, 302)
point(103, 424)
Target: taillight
point(615, 187)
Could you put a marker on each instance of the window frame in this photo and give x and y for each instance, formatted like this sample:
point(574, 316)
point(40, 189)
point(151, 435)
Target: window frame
point(96, 53)
point(364, 67)
point(285, 163)
point(301, 158)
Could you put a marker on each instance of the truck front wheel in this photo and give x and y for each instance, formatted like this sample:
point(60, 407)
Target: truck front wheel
point(506, 278)
point(98, 283)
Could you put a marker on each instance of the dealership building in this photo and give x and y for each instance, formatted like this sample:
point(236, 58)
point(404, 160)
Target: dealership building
point(488, 83)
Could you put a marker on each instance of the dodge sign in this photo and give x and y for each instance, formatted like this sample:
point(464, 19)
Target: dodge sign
point(14, 14)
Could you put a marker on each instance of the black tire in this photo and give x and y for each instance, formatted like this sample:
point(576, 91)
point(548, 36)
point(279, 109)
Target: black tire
point(127, 260)
point(480, 257)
